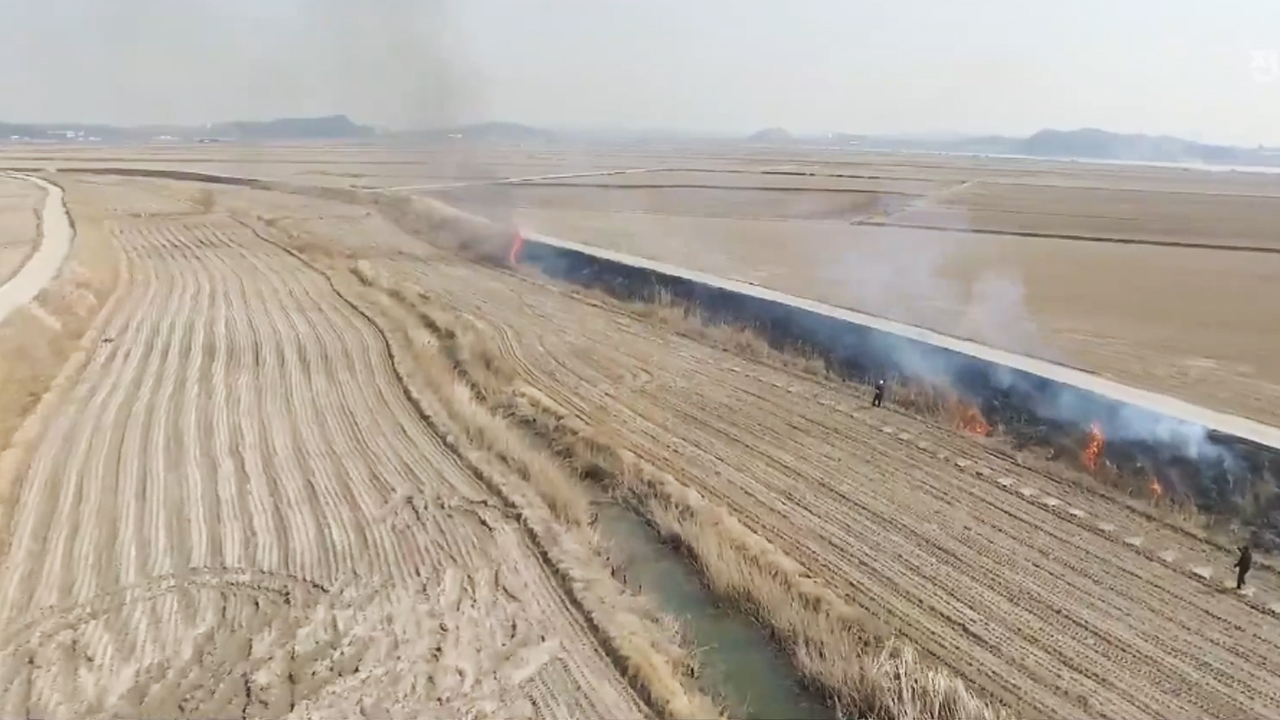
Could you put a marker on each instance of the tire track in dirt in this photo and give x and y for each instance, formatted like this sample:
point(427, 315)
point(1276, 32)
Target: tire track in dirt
point(239, 508)
point(1024, 599)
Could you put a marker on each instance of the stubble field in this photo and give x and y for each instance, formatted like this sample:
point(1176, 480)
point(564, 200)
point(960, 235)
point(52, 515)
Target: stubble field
point(258, 493)
point(1160, 277)
point(19, 201)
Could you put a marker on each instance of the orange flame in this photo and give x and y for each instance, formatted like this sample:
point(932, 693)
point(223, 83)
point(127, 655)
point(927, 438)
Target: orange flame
point(968, 418)
point(1154, 486)
point(1093, 448)
point(513, 257)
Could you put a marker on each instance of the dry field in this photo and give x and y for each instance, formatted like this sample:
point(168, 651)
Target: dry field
point(1054, 599)
point(19, 203)
point(1165, 278)
point(238, 508)
point(1134, 293)
point(304, 465)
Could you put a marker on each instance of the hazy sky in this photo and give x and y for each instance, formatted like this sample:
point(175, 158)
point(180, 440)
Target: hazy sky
point(1184, 67)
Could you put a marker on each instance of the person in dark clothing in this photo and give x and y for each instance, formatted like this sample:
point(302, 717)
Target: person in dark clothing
point(879, 396)
point(1243, 564)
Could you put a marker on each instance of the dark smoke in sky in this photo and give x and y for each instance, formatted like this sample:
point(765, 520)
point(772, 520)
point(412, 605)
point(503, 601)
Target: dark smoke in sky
point(389, 62)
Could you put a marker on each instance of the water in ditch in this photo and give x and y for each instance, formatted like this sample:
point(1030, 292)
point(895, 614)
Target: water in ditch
point(741, 665)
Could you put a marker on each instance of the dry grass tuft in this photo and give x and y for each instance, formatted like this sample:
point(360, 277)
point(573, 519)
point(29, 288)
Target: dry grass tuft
point(841, 650)
point(442, 226)
point(689, 320)
point(836, 647)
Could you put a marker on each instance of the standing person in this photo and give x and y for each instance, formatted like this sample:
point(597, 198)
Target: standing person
point(879, 396)
point(1243, 564)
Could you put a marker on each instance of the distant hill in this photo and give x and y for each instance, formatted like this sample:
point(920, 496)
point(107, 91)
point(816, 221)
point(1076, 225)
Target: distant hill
point(1086, 144)
point(332, 127)
point(1100, 144)
point(1083, 144)
point(771, 136)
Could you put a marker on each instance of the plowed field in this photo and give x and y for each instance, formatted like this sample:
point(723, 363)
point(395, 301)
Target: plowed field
point(238, 510)
point(1058, 601)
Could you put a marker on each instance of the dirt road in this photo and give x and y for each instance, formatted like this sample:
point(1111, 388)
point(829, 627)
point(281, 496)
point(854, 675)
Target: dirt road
point(1058, 601)
point(238, 511)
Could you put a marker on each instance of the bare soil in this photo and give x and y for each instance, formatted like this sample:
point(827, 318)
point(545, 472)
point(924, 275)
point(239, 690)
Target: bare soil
point(19, 220)
point(1047, 594)
point(239, 507)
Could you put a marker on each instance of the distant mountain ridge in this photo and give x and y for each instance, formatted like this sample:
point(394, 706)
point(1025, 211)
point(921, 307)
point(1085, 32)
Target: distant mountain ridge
point(329, 127)
point(1100, 144)
point(1083, 144)
point(771, 136)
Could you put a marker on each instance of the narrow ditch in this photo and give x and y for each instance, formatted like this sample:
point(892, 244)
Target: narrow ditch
point(739, 662)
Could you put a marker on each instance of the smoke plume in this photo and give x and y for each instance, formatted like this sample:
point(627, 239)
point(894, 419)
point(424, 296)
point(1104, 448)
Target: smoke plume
point(918, 276)
point(400, 63)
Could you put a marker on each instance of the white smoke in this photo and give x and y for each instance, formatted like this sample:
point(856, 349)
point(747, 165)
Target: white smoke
point(923, 277)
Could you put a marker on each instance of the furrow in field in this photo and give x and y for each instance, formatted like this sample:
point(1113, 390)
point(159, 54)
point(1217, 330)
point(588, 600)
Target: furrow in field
point(243, 397)
point(252, 437)
point(57, 469)
point(223, 345)
point(351, 498)
point(285, 337)
point(366, 491)
point(192, 436)
point(815, 420)
point(326, 540)
point(419, 457)
point(402, 461)
point(1020, 598)
point(286, 483)
point(133, 549)
point(776, 460)
point(416, 452)
point(190, 457)
point(248, 355)
point(155, 511)
point(167, 542)
point(242, 434)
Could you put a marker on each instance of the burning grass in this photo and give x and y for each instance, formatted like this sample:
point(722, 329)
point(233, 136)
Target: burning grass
point(841, 651)
point(474, 238)
point(941, 404)
point(1091, 455)
point(1060, 448)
